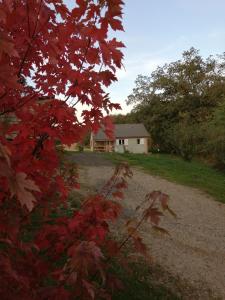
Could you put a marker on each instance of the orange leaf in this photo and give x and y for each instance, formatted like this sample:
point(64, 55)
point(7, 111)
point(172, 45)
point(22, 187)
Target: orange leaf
point(22, 188)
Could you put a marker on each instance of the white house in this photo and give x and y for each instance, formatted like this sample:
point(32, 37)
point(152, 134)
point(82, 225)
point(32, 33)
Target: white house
point(133, 138)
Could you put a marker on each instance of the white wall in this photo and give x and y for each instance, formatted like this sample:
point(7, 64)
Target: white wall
point(132, 146)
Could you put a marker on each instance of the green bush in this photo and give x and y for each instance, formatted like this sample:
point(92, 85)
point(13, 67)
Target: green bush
point(215, 146)
point(155, 149)
point(80, 148)
point(186, 140)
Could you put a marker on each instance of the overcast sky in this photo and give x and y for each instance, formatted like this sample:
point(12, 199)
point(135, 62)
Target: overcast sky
point(158, 31)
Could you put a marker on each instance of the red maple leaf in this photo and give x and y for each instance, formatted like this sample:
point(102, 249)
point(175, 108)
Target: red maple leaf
point(22, 188)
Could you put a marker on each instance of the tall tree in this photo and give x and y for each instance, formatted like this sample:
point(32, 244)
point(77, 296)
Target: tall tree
point(124, 119)
point(215, 135)
point(183, 92)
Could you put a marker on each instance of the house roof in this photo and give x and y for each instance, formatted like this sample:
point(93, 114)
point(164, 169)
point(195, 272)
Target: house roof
point(124, 131)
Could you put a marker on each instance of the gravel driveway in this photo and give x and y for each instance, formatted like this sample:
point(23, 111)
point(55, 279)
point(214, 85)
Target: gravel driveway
point(195, 249)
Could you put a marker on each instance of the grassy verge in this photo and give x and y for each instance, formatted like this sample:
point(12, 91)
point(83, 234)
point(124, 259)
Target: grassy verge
point(138, 285)
point(194, 174)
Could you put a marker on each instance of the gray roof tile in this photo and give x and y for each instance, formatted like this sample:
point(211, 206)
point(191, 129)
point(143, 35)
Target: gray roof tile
point(124, 131)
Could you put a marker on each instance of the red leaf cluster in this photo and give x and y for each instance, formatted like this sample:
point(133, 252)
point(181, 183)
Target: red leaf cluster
point(51, 59)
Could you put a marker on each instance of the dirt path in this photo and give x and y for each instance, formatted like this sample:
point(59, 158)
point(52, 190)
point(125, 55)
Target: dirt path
point(195, 251)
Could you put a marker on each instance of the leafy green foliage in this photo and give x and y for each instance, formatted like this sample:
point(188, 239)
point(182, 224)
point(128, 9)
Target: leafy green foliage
point(215, 133)
point(186, 139)
point(124, 119)
point(178, 100)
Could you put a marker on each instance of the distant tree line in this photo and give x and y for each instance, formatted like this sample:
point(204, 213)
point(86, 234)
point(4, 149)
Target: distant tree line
point(182, 104)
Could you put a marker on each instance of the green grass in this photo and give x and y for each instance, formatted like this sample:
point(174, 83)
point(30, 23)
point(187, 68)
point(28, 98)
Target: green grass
point(195, 174)
point(138, 285)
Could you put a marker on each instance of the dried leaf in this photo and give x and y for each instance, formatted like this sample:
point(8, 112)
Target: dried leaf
point(161, 230)
point(22, 188)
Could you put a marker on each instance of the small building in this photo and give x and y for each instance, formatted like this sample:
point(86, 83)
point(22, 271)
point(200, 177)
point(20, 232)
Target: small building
point(133, 138)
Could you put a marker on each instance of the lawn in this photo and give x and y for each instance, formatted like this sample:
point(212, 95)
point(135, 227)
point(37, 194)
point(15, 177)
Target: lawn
point(195, 174)
point(138, 285)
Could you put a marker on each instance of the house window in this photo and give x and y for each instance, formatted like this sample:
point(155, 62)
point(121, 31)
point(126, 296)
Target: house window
point(140, 141)
point(121, 142)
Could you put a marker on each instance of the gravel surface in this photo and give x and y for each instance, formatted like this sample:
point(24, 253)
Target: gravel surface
point(195, 249)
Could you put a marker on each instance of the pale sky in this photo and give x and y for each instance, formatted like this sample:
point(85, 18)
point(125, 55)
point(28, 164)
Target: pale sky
point(158, 31)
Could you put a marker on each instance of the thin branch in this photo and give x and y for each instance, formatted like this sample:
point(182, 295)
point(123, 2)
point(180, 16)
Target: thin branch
point(38, 15)
point(28, 18)
point(39, 144)
point(81, 67)
point(3, 95)
point(76, 103)
point(77, 83)
point(131, 234)
point(32, 38)
point(20, 105)
point(82, 63)
point(100, 69)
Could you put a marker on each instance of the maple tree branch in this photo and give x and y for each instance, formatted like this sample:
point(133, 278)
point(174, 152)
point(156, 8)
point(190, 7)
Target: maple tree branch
point(39, 144)
point(81, 66)
point(85, 54)
point(132, 233)
point(28, 18)
point(76, 103)
point(100, 69)
point(33, 36)
point(38, 15)
point(25, 188)
point(32, 39)
point(123, 243)
point(112, 186)
point(20, 105)
point(3, 95)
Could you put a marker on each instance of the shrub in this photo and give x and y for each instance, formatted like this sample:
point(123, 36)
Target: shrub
point(186, 140)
